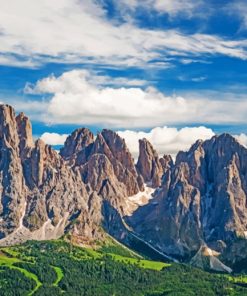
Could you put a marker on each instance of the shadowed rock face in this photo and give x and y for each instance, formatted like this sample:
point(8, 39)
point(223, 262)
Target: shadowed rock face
point(11, 176)
point(202, 199)
point(150, 166)
point(107, 168)
point(105, 165)
point(35, 184)
point(77, 146)
point(43, 192)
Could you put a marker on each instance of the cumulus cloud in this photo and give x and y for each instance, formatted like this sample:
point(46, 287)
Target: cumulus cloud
point(76, 98)
point(72, 79)
point(24, 35)
point(242, 138)
point(53, 138)
point(166, 140)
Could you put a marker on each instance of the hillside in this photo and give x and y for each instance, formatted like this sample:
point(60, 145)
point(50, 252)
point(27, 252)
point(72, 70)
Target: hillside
point(59, 268)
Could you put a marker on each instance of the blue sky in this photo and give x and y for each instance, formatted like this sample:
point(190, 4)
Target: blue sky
point(127, 65)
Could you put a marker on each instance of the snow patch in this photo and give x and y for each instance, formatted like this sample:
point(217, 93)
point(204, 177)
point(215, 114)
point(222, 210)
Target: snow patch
point(138, 200)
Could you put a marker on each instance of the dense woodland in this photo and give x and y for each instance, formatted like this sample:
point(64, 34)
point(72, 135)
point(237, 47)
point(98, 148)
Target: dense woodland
point(57, 268)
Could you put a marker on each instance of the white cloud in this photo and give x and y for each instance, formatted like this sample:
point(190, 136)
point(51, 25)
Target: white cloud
point(173, 7)
point(186, 8)
point(10, 60)
point(75, 97)
point(166, 140)
point(199, 79)
point(79, 31)
point(239, 8)
point(242, 138)
point(52, 84)
point(53, 138)
point(194, 79)
point(191, 61)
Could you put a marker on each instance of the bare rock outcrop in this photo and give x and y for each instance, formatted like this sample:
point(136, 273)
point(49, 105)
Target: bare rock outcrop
point(107, 168)
point(106, 159)
point(202, 199)
point(12, 184)
point(77, 146)
point(150, 166)
point(36, 186)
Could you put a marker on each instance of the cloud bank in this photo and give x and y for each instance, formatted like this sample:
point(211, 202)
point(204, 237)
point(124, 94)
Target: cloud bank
point(166, 140)
point(80, 97)
point(53, 139)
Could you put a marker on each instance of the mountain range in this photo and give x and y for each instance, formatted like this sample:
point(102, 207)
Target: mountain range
point(193, 209)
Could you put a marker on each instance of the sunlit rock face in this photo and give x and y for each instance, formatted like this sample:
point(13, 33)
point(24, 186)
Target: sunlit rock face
point(150, 166)
point(107, 168)
point(202, 199)
point(36, 187)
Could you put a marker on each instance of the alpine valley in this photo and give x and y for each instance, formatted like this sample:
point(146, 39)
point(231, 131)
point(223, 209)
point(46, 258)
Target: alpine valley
point(91, 211)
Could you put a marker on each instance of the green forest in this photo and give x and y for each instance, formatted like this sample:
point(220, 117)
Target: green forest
point(58, 268)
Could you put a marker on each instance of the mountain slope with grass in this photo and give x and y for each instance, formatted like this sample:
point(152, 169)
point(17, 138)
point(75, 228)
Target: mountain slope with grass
point(59, 268)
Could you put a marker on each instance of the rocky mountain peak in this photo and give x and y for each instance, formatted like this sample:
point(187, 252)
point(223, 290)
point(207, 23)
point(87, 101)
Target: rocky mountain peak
point(24, 128)
point(203, 198)
point(150, 166)
point(109, 152)
point(38, 193)
point(76, 143)
point(8, 132)
point(111, 144)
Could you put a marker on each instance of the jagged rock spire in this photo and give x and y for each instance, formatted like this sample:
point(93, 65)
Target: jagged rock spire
point(150, 166)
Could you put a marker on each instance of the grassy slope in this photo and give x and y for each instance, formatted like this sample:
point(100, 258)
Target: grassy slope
point(147, 264)
point(59, 273)
point(10, 256)
point(238, 279)
point(8, 262)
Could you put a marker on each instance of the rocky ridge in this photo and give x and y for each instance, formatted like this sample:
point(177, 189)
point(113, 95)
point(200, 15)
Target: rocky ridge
point(150, 166)
point(37, 189)
point(177, 208)
point(202, 200)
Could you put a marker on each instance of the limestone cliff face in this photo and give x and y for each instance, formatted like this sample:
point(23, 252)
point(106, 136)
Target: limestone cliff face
point(43, 193)
point(150, 165)
point(11, 174)
point(103, 162)
point(202, 199)
point(114, 147)
point(77, 146)
point(36, 186)
point(108, 169)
